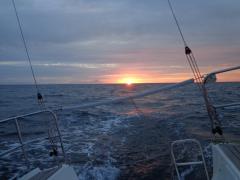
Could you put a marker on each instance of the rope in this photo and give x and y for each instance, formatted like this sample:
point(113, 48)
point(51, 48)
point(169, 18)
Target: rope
point(141, 114)
point(138, 110)
point(39, 96)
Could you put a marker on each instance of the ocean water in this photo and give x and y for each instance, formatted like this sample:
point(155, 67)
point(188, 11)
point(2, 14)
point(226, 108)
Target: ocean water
point(126, 140)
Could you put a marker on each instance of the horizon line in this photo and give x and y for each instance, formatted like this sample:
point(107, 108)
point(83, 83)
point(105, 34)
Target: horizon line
point(28, 84)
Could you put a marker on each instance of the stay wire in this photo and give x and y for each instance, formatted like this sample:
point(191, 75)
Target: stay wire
point(194, 62)
point(188, 52)
point(192, 68)
point(216, 124)
point(191, 56)
point(39, 96)
point(177, 23)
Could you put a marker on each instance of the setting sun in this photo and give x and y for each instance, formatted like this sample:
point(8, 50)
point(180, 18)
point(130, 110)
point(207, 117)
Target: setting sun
point(129, 80)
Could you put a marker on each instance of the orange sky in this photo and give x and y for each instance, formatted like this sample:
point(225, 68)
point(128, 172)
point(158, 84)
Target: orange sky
point(163, 65)
point(150, 77)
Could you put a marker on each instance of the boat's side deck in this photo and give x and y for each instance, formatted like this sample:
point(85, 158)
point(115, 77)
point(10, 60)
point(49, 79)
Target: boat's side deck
point(226, 162)
point(233, 153)
point(62, 172)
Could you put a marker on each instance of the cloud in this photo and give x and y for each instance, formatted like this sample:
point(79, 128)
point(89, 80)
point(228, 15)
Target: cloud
point(127, 34)
point(73, 65)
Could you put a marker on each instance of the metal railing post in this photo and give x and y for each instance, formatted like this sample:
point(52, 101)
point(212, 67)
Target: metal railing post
point(21, 142)
point(59, 133)
point(177, 164)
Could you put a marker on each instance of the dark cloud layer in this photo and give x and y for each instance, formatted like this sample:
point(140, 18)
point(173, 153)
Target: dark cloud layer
point(121, 33)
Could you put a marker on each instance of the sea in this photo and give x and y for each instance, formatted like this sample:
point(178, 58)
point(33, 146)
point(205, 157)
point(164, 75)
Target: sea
point(126, 140)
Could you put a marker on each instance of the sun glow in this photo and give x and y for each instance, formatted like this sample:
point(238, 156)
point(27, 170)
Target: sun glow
point(128, 81)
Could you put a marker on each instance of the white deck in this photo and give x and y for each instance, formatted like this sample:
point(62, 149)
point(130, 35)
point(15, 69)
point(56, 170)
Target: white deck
point(63, 172)
point(226, 162)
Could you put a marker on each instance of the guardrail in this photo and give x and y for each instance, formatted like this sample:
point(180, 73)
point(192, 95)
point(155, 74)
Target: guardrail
point(212, 77)
point(22, 144)
point(188, 163)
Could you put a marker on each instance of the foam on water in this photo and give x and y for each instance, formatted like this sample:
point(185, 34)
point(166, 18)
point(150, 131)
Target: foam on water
point(105, 172)
point(113, 141)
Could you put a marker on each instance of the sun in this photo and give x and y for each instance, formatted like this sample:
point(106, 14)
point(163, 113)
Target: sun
point(128, 81)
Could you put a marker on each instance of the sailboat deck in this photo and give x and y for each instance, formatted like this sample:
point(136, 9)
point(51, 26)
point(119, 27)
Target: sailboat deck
point(232, 151)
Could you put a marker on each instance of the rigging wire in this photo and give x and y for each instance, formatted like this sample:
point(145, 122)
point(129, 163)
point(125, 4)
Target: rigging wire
point(190, 57)
point(39, 95)
point(188, 51)
point(177, 23)
point(199, 79)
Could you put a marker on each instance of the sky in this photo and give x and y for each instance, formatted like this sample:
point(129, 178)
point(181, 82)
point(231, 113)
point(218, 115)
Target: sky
point(110, 41)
